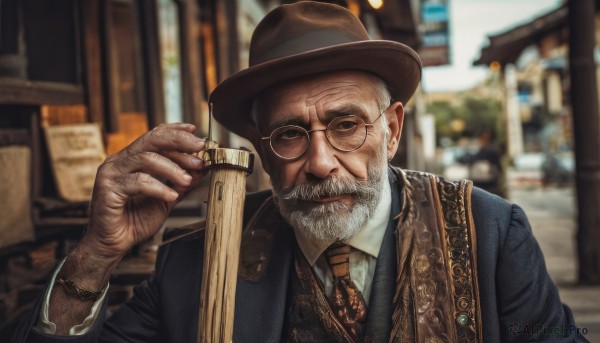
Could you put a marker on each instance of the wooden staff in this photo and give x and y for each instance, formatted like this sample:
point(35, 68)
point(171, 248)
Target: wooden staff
point(229, 168)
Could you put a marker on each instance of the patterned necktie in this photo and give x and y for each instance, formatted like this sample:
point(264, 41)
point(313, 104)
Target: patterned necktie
point(346, 300)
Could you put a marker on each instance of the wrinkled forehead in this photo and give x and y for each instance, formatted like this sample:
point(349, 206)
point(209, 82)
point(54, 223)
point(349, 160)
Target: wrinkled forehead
point(317, 92)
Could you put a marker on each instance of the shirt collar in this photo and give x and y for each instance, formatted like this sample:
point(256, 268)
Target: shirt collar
point(368, 238)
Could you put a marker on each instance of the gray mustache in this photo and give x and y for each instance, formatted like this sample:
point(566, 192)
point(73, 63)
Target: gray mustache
point(329, 187)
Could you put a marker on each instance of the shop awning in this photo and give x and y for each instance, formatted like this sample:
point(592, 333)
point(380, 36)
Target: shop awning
point(506, 47)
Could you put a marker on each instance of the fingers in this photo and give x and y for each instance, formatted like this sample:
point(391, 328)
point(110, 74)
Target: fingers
point(158, 165)
point(196, 176)
point(130, 185)
point(179, 126)
point(188, 162)
point(161, 154)
point(166, 137)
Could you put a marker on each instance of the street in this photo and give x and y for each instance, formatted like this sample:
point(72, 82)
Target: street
point(551, 212)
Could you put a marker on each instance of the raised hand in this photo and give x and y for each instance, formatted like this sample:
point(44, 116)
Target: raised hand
point(129, 202)
point(129, 205)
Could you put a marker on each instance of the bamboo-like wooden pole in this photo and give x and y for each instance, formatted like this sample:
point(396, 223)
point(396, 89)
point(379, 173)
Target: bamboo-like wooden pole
point(222, 243)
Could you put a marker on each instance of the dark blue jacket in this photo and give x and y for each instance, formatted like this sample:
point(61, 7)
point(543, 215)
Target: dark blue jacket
point(516, 292)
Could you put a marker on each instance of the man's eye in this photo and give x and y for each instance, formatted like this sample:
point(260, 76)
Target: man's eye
point(290, 133)
point(345, 125)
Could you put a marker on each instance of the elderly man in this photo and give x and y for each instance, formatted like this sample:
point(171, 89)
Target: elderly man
point(344, 248)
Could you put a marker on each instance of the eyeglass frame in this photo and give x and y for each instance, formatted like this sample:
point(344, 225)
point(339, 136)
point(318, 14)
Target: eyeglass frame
point(308, 132)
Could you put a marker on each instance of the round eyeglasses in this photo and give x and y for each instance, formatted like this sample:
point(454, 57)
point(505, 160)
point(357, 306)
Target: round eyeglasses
point(346, 133)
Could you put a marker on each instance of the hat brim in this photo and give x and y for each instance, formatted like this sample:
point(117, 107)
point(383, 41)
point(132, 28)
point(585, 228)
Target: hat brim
point(395, 63)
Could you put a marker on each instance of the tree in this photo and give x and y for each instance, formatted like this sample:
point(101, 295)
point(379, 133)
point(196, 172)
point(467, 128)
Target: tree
point(478, 115)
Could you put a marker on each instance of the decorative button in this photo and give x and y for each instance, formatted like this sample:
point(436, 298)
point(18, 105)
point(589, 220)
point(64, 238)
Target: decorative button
point(462, 319)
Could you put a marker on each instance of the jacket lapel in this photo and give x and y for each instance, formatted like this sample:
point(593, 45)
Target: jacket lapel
point(266, 261)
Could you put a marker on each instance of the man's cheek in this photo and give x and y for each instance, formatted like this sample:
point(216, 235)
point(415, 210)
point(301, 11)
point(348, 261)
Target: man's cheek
point(278, 179)
point(289, 174)
point(357, 168)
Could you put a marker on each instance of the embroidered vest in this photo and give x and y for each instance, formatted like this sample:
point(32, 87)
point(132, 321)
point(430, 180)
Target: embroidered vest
point(309, 317)
point(436, 297)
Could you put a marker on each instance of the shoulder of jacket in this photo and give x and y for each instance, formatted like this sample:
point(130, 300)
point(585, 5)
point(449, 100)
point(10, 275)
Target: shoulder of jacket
point(488, 208)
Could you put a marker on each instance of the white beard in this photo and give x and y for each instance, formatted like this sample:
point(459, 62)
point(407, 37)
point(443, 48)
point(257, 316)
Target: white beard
point(333, 221)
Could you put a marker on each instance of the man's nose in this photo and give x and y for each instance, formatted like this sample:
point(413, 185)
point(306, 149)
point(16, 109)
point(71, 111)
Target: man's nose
point(320, 159)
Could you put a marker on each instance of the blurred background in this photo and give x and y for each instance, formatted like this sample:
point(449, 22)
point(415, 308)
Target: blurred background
point(509, 99)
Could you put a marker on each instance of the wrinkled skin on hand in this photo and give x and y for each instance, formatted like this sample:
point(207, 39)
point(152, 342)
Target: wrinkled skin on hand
point(129, 205)
point(129, 202)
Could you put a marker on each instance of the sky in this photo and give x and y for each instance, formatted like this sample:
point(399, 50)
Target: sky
point(472, 21)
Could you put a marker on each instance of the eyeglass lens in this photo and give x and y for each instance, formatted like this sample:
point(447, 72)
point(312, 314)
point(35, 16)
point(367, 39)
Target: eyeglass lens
point(346, 133)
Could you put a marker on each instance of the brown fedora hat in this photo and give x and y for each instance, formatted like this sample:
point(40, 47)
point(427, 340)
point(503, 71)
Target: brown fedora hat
point(307, 38)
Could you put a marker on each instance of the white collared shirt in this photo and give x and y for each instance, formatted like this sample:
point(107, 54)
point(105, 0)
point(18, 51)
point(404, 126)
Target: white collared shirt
point(366, 244)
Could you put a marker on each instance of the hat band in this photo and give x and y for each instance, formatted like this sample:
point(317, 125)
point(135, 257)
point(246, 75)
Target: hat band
point(310, 41)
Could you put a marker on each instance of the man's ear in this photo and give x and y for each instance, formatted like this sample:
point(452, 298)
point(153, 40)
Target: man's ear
point(395, 118)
